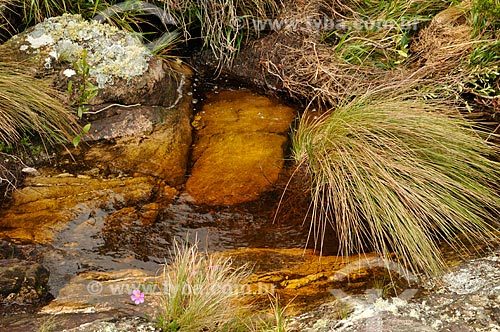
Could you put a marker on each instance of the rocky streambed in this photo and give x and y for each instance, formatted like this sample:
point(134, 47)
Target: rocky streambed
point(96, 221)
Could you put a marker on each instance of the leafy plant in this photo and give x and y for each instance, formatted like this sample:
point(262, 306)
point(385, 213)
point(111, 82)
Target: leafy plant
point(86, 91)
point(485, 16)
point(393, 172)
point(483, 65)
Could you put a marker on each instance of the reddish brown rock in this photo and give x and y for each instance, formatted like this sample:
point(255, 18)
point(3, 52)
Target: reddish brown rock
point(240, 146)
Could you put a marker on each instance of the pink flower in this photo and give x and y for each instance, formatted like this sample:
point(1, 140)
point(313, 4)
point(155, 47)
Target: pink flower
point(137, 296)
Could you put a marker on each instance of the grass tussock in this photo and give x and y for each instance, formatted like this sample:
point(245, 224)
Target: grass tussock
point(200, 292)
point(394, 172)
point(446, 41)
point(223, 25)
point(322, 78)
point(31, 105)
point(377, 33)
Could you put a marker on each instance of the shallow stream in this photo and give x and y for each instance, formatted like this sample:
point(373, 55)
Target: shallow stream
point(88, 223)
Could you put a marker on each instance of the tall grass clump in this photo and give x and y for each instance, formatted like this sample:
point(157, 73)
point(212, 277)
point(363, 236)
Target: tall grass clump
point(223, 25)
point(394, 173)
point(31, 105)
point(200, 292)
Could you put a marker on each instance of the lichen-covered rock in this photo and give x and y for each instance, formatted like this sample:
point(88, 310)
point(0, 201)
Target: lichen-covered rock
point(110, 52)
point(122, 325)
point(239, 152)
point(118, 64)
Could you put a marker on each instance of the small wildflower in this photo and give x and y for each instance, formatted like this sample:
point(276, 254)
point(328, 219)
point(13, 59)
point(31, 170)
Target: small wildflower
point(137, 296)
point(69, 72)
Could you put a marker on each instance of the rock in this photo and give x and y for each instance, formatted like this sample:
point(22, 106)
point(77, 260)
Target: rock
point(237, 168)
point(123, 70)
point(9, 250)
point(159, 146)
point(130, 216)
point(11, 276)
point(95, 292)
point(466, 299)
point(239, 151)
point(123, 325)
point(141, 102)
point(119, 121)
point(22, 281)
point(47, 203)
point(29, 170)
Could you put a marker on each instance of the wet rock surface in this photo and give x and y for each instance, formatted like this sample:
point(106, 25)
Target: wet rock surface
point(47, 203)
point(23, 280)
point(239, 151)
point(17, 276)
point(98, 292)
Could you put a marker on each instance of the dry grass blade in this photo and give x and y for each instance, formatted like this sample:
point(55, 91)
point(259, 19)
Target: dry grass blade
point(395, 173)
point(220, 22)
point(10, 173)
point(323, 78)
point(8, 8)
point(31, 105)
point(198, 291)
